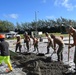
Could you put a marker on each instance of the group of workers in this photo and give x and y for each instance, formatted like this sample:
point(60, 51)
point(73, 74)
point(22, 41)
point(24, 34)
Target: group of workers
point(53, 41)
point(27, 41)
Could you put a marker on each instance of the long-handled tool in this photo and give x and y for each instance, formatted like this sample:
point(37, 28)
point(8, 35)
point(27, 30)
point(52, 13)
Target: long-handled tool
point(69, 42)
point(53, 53)
point(68, 47)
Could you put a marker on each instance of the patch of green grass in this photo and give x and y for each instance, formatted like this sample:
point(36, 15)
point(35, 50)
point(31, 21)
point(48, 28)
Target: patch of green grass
point(43, 35)
point(57, 34)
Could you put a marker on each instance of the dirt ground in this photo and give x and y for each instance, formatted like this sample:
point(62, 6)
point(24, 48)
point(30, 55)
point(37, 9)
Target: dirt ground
point(38, 64)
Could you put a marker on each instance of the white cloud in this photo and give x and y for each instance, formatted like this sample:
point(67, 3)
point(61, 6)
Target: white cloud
point(50, 17)
point(65, 3)
point(14, 16)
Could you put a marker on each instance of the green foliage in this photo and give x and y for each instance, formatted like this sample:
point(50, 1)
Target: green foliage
point(56, 26)
point(6, 26)
point(51, 26)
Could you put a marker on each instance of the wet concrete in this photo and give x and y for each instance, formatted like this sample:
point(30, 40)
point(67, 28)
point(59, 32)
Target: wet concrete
point(34, 64)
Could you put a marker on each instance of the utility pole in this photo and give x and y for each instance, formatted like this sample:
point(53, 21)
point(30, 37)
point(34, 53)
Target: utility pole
point(36, 33)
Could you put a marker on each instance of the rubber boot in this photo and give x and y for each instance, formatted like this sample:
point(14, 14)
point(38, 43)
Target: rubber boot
point(10, 66)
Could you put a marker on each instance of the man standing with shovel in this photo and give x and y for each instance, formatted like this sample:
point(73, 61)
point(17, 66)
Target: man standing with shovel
point(50, 42)
point(35, 43)
point(27, 40)
point(72, 32)
point(60, 43)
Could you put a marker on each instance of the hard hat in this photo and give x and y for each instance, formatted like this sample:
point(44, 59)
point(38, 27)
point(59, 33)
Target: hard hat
point(2, 36)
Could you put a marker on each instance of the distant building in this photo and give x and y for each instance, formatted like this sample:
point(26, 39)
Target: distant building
point(11, 34)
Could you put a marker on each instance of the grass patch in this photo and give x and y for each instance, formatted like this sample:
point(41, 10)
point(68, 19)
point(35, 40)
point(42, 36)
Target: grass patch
point(57, 34)
point(43, 35)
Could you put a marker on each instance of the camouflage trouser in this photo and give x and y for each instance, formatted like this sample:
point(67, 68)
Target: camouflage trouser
point(36, 47)
point(27, 45)
point(48, 46)
point(18, 46)
point(59, 53)
point(75, 55)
